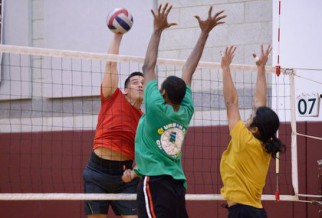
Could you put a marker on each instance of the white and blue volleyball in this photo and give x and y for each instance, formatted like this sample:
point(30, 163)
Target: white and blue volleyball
point(119, 20)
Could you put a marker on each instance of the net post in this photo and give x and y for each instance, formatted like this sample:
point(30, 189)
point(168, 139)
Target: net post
point(293, 135)
point(277, 170)
point(277, 160)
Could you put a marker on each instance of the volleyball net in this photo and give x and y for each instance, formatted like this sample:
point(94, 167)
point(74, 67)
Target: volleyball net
point(49, 102)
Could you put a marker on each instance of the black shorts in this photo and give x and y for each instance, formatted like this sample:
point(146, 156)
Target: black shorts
point(240, 210)
point(103, 176)
point(161, 197)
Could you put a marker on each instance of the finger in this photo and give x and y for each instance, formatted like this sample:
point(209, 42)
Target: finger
point(172, 24)
point(153, 13)
point(209, 12)
point(219, 23)
point(159, 9)
point(198, 18)
point(164, 8)
point(269, 49)
point(234, 50)
point(262, 48)
point(231, 50)
point(169, 9)
point(220, 18)
point(219, 13)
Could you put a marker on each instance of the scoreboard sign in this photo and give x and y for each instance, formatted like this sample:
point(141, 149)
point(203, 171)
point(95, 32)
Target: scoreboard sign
point(308, 105)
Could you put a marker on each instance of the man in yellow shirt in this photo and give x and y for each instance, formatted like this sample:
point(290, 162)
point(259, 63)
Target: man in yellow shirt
point(245, 162)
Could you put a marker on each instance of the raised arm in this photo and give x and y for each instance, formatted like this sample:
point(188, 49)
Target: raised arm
point(229, 90)
point(160, 24)
point(206, 26)
point(110, 78)
point(260, 88)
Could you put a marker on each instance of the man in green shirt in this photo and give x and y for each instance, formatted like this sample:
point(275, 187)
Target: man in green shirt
point(162, 129)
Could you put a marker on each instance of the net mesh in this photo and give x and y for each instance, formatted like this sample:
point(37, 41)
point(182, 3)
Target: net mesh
point(49, 106)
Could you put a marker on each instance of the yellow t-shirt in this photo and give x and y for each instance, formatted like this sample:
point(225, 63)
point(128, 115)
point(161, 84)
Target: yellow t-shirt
point(243, 167)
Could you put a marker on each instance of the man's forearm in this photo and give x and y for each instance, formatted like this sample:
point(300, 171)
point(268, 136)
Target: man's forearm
point(193, 59)
point(260, 89)
point(152, 54)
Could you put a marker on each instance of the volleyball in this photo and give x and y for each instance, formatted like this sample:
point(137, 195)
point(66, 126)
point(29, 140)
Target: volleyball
point(119, 20)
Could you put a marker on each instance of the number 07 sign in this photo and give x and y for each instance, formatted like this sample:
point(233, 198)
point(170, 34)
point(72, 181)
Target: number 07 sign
point(308, 105)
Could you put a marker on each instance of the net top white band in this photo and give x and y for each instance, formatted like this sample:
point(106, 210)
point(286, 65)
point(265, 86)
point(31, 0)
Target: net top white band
point(99, 56)
point(78, 196)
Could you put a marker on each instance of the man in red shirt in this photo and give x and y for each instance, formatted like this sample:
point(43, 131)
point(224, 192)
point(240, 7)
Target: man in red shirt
point(113, 147)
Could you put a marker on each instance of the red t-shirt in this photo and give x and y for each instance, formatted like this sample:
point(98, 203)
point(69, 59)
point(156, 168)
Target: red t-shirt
point(116, 124)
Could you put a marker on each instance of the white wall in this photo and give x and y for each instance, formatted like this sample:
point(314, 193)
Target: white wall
point(300, 47)
point(81, 25)
point(16, 81)
point(301, 33)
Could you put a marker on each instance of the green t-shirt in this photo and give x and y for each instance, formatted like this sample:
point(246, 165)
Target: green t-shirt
point(160, 134)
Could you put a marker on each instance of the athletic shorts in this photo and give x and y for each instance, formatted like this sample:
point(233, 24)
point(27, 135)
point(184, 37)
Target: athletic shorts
point(240, 210)
point(161, 197)
point(105, 176)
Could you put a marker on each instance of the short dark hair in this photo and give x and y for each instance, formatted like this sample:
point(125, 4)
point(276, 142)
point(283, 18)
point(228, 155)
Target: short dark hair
point(136, 73)
point(267, 122)
point(175, 88)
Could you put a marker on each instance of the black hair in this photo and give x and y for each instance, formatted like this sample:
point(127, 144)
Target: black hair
point(267, 122)
point(136, 73)
point(175, 88)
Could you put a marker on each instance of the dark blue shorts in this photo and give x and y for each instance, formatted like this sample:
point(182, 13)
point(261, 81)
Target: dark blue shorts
point(104, 176)
point(161, 197)
point(240, 210)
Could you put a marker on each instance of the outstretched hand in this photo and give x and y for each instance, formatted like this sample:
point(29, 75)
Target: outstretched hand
point(262, 60)
point(161, 17)
point(228, 56)
point(212, 21)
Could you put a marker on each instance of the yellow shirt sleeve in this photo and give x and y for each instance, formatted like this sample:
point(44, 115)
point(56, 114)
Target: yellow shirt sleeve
point(241, 137)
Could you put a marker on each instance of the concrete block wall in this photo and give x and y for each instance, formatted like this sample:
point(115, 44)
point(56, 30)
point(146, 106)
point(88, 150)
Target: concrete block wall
point(248, 25)
point(37, 20)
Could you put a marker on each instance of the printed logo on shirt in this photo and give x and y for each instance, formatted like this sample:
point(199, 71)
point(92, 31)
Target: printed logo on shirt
point(171, 140)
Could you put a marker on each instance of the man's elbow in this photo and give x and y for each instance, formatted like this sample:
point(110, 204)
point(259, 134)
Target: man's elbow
point(144, 68)
point(231, 101)
point(147, 69)
point(258, 104)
